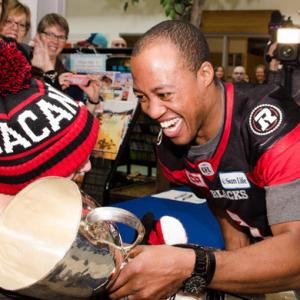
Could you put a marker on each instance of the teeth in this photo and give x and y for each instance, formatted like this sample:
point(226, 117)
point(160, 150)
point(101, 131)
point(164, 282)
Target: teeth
point(169, 123)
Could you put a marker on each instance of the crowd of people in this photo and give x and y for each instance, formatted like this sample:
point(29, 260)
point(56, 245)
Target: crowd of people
point(238, 150)
point(240, 76)
point(47, 45)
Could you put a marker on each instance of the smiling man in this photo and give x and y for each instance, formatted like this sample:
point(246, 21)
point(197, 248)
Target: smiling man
point(168, 90)
point(239, 150)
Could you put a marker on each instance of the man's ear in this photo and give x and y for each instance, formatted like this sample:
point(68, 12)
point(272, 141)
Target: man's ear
point(206, 73)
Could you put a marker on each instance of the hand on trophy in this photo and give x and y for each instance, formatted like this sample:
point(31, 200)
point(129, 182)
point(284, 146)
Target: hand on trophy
point(153, 272)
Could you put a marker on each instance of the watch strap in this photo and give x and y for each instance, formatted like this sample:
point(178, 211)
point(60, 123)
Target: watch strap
point(204, 269)
point(91, 102)
point(211, 266)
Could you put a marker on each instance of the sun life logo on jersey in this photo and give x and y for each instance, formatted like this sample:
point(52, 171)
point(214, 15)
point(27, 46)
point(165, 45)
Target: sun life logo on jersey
point(265, 118)
point(234, 180)
point(206, 169)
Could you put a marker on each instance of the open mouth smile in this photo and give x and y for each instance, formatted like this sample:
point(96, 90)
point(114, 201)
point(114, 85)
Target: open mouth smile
point(171, 127)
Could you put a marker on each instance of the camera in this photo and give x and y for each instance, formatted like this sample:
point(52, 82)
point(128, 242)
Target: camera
point(287, 35)
point(288, 48)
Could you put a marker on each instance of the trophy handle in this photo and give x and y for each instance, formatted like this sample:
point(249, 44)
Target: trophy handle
point(119, 215)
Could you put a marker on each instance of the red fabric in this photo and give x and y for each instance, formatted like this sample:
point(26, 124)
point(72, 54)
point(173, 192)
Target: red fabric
point(279, 164)
point(174, 176)
point(156, 235)
point(15, 69)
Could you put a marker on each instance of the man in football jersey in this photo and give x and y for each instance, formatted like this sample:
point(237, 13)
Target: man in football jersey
point(239, 149)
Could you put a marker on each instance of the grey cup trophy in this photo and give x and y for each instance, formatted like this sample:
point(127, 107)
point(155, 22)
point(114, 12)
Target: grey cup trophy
point(57, 244)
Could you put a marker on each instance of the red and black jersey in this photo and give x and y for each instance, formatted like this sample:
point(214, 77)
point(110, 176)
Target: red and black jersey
point(259, 147)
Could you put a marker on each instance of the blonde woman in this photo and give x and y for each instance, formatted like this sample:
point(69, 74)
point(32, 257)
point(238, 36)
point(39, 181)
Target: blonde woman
point(17, 22)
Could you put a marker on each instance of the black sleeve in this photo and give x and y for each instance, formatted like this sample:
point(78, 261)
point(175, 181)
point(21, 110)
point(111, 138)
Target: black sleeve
point(275, 77)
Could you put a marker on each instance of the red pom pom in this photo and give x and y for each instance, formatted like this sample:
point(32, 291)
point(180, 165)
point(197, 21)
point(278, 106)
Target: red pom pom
point(15, 70)
point(167, 230)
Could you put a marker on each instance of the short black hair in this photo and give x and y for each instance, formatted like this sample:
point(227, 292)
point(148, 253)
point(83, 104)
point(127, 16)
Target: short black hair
point(188, 39)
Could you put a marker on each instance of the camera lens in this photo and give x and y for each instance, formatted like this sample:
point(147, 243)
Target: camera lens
point(287, 51)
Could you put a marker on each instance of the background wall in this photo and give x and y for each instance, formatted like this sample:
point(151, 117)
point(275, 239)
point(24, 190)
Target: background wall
point(108, 16)
point(287, 7)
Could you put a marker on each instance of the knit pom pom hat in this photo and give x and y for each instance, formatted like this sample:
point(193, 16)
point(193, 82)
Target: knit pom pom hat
point(43, 132)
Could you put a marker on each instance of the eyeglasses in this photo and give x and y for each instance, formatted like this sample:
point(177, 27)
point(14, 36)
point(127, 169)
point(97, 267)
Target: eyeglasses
point(52, 36)
point(21, 26)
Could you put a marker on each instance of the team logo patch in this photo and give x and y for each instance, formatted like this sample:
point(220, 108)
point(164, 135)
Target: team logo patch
point(206, 169)
point(196, 179)
point(234, 180)
point(265, 118)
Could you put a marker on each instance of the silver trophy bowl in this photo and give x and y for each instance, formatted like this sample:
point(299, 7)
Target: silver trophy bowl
point(57, 244)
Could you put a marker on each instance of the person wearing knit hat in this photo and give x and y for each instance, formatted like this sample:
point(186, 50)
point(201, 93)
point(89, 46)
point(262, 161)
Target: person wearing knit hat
point(43, 132)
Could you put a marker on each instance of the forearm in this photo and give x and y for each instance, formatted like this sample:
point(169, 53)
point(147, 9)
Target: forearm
point(93, 108)
point(268, 266)
point(234, 236)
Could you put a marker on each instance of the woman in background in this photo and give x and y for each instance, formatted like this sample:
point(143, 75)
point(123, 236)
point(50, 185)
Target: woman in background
point(49, 42)
point(51, 37)
point(17, 21)
point(220, 72)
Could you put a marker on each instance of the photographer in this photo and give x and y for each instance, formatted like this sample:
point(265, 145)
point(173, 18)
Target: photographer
point(283, 55)
point(239, 150)
point(277, 74)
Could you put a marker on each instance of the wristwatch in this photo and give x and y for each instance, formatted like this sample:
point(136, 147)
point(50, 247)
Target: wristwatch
point(203, 272)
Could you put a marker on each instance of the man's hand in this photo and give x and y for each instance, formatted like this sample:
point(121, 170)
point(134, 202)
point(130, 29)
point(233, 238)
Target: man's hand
point(154, 272)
